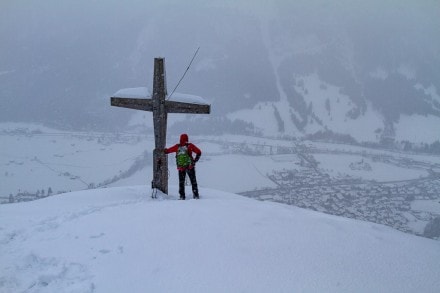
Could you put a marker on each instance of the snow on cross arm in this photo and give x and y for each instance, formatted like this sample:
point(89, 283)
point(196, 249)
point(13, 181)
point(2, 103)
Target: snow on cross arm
point(185, 98)
point(133, 93)
point(144, 93)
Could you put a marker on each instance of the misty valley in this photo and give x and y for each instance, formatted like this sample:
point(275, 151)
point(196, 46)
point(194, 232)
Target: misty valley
point(395, 188)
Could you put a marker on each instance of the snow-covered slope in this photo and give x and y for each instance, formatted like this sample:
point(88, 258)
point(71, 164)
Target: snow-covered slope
point(336, 83)
point(120, 240)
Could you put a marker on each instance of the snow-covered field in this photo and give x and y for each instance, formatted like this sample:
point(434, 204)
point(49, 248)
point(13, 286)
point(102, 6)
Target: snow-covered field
point(35, 158)
point(39, 158)
point(337, 165)
point(121, 240)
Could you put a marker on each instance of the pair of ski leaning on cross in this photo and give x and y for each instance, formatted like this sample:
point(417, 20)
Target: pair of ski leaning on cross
point(186, 163)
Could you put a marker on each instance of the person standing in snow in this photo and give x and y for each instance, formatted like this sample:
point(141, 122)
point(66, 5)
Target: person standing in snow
point(186, 163)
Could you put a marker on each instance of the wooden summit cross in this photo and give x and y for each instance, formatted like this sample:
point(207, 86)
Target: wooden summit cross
point(160, 108)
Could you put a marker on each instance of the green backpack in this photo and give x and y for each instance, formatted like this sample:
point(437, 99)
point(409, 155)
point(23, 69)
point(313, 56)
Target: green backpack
point(183, 159)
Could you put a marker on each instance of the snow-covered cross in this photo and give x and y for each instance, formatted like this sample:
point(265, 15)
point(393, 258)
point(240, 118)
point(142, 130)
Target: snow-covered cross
point(160, 105)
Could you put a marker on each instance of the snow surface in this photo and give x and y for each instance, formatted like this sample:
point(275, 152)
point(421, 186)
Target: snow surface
point(64, 160)
point(121, 240)
point(418, 128)
point(426, 206)
point(316, 93)
point(338, 166)
point(268, 125)
point(369, 151)
point(380, 73)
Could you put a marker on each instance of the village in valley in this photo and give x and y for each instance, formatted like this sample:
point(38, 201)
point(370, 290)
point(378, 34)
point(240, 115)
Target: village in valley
point(388, 203)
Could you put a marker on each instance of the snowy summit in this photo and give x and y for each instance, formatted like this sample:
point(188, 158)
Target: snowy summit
point(121, 240)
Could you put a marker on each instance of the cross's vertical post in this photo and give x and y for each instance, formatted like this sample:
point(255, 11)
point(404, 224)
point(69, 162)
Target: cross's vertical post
point(160, 161)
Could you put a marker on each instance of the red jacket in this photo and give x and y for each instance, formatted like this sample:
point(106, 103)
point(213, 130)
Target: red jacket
point(191, 148)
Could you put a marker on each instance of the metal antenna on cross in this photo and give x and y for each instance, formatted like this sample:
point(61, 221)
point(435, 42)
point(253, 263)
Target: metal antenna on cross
point(169, 97)
point(160, 108)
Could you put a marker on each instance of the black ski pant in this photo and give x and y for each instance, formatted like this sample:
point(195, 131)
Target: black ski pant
point(192, 177)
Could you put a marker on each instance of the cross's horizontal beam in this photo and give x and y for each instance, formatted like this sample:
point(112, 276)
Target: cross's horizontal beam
point(182, 107)
point(137, 104)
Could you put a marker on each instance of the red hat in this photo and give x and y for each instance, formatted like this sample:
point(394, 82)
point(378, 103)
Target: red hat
point(183, 138)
